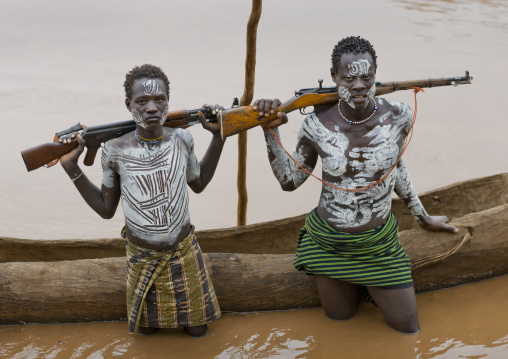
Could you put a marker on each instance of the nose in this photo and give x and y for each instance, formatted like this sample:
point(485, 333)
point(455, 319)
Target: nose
point(151, 107)
point(358, 84)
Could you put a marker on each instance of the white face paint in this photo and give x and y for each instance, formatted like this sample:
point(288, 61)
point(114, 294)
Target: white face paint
point(359, 68)
point(152, 88)
point(140, 121)
point(138, 118)
point(370, 94)
point(164, 115)
point(345, 95)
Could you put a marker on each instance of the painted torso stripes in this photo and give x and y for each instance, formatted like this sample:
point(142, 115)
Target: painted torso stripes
point(153, 183)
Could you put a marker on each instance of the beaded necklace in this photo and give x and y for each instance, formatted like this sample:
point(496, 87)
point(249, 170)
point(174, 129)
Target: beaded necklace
point(357, 122)
point(146, 140)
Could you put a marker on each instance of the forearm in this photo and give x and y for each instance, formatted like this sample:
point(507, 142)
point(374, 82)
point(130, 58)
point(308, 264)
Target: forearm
point(92, 195)
point(404, 189)
point(285, 170)
point(208, 164)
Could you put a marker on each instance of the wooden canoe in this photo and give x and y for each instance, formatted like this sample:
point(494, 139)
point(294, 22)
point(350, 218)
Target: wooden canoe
point(49, 281)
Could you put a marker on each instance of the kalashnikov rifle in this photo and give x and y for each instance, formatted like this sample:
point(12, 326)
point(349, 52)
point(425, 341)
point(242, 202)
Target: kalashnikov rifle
point(232, 121)
point(48, 153)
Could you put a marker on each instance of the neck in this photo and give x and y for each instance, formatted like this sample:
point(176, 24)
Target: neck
point(144, 135)
point(358, 113)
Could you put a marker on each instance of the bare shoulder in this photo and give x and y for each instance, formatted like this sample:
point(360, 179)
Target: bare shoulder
point(181, 134)
point(398, 109)
point(120, 143)
point(312, 127)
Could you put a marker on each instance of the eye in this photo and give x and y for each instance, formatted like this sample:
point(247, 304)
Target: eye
point(366, 77)
point(142, 102)
point(349, 78)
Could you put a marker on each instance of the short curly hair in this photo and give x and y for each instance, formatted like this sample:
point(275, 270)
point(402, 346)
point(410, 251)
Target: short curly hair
point(352, 45)
point(144, 71)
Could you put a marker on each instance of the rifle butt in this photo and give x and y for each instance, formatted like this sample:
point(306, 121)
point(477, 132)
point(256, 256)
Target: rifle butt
point(240, 119)
point(243, 118)
point(38, 156)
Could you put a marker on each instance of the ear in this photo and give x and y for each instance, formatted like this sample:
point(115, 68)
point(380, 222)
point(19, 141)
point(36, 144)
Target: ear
point(333, 74)
point(128, 104)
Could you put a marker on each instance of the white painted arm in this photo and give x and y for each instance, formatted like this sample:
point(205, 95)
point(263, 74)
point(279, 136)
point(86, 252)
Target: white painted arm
point(404, 189)
point(286, 171)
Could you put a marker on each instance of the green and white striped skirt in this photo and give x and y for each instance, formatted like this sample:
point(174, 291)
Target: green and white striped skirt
point(371, 258)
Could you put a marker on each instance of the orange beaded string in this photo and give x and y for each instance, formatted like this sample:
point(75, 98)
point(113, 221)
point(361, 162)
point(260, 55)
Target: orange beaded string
point(372, 185)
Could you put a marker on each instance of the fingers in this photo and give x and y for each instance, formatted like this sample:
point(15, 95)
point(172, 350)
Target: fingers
point(266, 107)
point(275, 105)
point(81, 141)
point(439, 223)
point(281, 119)
point(67, 138)
point(202, 118)
point(447, 227)
point(214, 108)
point(451, 229)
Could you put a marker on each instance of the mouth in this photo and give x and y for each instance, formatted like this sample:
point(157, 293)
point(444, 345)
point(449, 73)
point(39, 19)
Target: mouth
point(152, 119)
point(359, 98)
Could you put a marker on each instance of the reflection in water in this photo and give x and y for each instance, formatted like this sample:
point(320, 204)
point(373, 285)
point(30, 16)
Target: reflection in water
point(453, 348)
point(488, 13)
point(277, 344)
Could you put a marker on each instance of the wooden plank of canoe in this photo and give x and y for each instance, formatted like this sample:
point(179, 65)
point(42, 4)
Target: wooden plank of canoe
point(94, 289)
point(275, 237)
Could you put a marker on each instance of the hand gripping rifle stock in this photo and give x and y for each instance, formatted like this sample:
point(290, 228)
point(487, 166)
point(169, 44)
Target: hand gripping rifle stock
point(94, 136)
point(240, 119)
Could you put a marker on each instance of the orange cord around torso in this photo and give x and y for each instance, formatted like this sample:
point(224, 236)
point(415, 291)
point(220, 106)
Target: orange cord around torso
point(372, 185)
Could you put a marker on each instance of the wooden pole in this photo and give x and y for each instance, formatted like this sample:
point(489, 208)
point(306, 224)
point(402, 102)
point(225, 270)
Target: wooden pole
point(248, 94)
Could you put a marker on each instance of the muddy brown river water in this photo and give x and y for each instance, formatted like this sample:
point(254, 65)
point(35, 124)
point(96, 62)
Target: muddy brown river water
point(464, 322)
point(64, 62)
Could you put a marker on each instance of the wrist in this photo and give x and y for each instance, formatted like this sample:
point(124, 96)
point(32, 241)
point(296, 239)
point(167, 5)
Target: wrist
point(72, 170)
point(218, 138)
point(73, 179)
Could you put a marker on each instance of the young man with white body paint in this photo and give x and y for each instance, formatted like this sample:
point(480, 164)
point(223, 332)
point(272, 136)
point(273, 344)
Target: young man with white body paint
point(349, 241)
point(149, 169)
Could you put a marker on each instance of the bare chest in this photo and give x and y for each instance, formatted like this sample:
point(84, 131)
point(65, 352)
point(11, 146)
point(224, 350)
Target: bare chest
point(359, 151)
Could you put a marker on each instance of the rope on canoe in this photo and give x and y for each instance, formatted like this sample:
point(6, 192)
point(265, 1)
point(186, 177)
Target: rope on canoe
point(439, 257)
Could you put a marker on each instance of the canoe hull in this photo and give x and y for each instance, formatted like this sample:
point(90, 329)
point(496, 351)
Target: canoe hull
point(85, 280)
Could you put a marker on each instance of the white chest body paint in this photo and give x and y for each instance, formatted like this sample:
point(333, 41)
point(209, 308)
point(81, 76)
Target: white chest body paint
point(154, 184)
point(354, 167)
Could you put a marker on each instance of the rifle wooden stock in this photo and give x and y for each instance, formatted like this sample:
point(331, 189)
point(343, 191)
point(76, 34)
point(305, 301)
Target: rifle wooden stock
point(38, 156)
point(243, 118)
point(240, 119)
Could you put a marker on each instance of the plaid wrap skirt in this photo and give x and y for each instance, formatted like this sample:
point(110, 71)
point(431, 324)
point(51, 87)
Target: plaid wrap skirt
point(169, 289)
